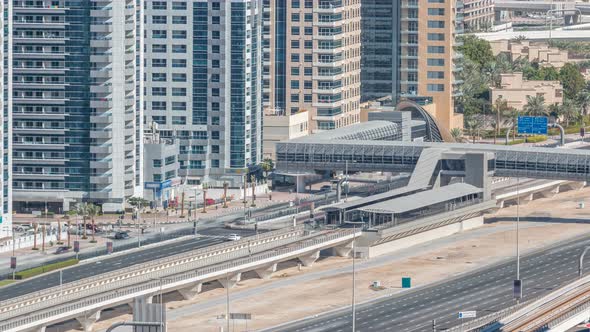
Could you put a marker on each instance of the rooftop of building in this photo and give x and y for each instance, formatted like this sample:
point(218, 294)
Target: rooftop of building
point(422, 199)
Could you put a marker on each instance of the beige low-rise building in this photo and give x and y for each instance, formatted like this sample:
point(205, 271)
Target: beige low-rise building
point(533, 51)
point(279, 126)
point(515, 90)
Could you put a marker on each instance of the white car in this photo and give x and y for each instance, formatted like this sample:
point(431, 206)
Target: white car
point(233, 237)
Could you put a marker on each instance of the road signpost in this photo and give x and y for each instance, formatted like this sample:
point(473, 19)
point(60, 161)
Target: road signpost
point(76, 248)
point(517, 289)
point(13, 266)
point(532, 125)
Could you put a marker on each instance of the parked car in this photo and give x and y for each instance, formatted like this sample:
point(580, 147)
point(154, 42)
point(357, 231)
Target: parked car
point(233, 237)
point(121, 235)
point(326, 187)
point(90, 227)
point(61, 250)
point(22, 228)
point(209, 201)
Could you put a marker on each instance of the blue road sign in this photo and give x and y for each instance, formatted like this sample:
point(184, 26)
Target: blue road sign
point(532, 125)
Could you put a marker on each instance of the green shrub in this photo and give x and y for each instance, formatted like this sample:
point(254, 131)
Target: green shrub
point(536, 138)
point(24, 274)
point(6, 282)
point(516, 141)
point(530, 139)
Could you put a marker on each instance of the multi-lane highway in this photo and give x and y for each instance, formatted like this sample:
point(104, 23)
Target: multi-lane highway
point(108, 264)
point(487, 290)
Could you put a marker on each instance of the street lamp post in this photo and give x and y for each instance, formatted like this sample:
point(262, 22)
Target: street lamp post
point(227, 300)
point(196, 216)
point(161, 295)
point(354, 223)
point(517, 282)
point(253, 182)
point(581, 264)
point(137, 214)
point(204, 199)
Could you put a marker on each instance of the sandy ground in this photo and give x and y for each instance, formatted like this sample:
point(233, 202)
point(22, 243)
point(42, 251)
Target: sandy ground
point(293, 294)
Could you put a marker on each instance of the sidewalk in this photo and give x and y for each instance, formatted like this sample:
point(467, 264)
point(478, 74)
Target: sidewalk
point(173, 215)
point(27, 258)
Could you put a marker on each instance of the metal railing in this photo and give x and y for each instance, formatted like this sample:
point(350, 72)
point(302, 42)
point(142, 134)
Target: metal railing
point(120, 291)
point(583, 307)
point(228, 250)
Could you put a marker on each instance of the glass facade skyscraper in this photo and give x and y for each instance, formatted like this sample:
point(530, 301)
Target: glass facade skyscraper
point(417, 39)
point(203, 85)
point(6, 133)
point(73, 103)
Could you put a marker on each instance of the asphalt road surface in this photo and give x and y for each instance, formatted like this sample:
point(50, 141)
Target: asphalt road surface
point(107, 264)
point(486, 290)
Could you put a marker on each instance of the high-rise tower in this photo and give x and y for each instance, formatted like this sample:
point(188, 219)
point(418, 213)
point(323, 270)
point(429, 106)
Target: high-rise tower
point(73, 103)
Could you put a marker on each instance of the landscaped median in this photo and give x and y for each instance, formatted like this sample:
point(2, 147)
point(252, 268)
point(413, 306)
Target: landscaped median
point(24, 274)
point(6, 282)
point(530, 139)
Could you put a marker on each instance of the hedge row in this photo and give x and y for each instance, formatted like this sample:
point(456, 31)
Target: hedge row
point(24, 274)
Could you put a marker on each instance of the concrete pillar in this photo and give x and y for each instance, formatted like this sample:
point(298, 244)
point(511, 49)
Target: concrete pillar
point(526, 199)
point(231, 281)
point(88, 320)
point(309, 259)
point(576, 185)
point(551, 192)
point(266, 272)
point(343, 250)
point(500, 203)
point(476, 172)
point(189, 293)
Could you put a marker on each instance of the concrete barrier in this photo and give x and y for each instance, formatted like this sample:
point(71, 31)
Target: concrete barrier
point(88, 297)
point(423, 237)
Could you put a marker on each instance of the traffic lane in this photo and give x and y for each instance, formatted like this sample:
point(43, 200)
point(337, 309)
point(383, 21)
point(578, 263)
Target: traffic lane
point(486, 291)
point(466, 298)
point(105, 265)
point(114, 263)
point(27, 262)
point(427, 306)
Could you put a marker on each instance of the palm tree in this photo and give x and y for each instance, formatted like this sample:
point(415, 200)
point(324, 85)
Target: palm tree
point(500, 107)
point(472, 125)
point(535, 106)
point(569, 111)
point(92, 211)
point(456, 133)
point(70, 213)
point(267, 166)
point(584, 101)
point(82, 210)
